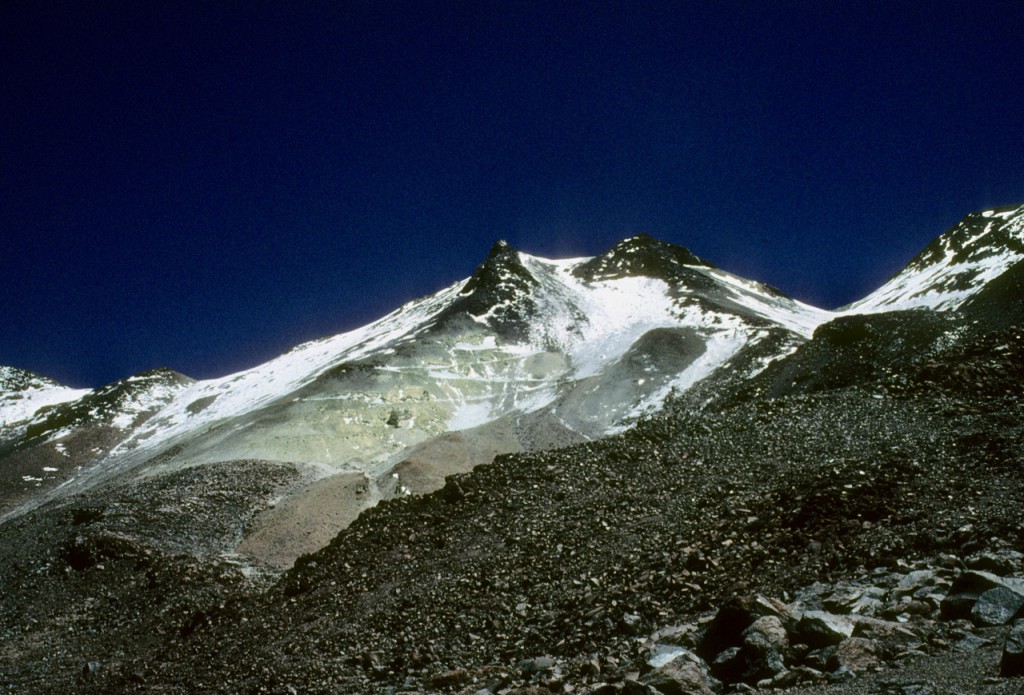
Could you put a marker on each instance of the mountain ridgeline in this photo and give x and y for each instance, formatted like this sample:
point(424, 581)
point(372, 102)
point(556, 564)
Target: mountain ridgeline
point(557, 475)
point(526, 354)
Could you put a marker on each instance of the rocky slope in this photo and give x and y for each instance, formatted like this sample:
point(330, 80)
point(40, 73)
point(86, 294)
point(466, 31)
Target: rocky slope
point(853, 484)
point(568, 568)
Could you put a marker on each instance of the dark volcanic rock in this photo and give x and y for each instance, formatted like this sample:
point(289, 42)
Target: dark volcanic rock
point(821, 629)
point(732, 619)
point(1012, 662)
point(501, 285)
point(969, 586)
point(997, 606)
point(643, 255)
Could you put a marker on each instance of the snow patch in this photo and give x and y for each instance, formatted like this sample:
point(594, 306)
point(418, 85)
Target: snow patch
point(21, 403)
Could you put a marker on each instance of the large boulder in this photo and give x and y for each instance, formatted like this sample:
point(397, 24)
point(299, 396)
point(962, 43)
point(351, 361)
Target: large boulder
point(733, 618)
point(821, 629)
point(766, 633)
point(968, 587)
point(856, 654)
point(997, 606)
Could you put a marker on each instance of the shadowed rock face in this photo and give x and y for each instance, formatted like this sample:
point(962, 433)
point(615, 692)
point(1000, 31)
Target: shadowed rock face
point(1001, 303)
point(859, 349)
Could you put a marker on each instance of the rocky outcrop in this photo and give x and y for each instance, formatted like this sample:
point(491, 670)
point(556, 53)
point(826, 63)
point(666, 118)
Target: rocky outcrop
point(827, 635)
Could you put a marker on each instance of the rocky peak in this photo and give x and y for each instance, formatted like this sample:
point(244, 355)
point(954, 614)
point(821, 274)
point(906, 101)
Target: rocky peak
point(500, 247)
point(957, 265)
point(22, 393)
point(977, 236)
point(159, 375)
point(640, 255)
point(498, 291)
point(120, 403)
point(14, 379)
point(502, 270)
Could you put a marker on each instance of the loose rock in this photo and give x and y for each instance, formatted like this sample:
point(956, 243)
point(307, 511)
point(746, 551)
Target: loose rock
point(997, 606)
point(821, 629)
point(1012, 662)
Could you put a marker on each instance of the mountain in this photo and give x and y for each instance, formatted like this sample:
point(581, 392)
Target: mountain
point(673, 452)
point(956, 265)
point(23, 393)
point(51, 432)
point(526, 354)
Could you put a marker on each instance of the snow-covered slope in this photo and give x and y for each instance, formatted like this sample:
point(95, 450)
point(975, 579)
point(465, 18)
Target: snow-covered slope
point(121, 405)
point(479, 343)
point(517, 336)
point(527, 352)
point(521, 335)
point(207, 402)
point(955, 266)
point(23, 393)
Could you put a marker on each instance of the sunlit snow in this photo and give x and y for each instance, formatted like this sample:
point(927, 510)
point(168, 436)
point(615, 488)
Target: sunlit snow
point(20, 405)
point(579, 330)
point(590, 324)
point(968, 263)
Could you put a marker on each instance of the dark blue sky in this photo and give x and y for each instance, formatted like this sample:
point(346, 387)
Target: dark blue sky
point(203, 185)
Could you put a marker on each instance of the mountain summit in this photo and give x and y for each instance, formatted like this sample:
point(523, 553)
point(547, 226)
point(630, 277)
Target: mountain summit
point(640, 255)
point(498, 293)
point(526, 354)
